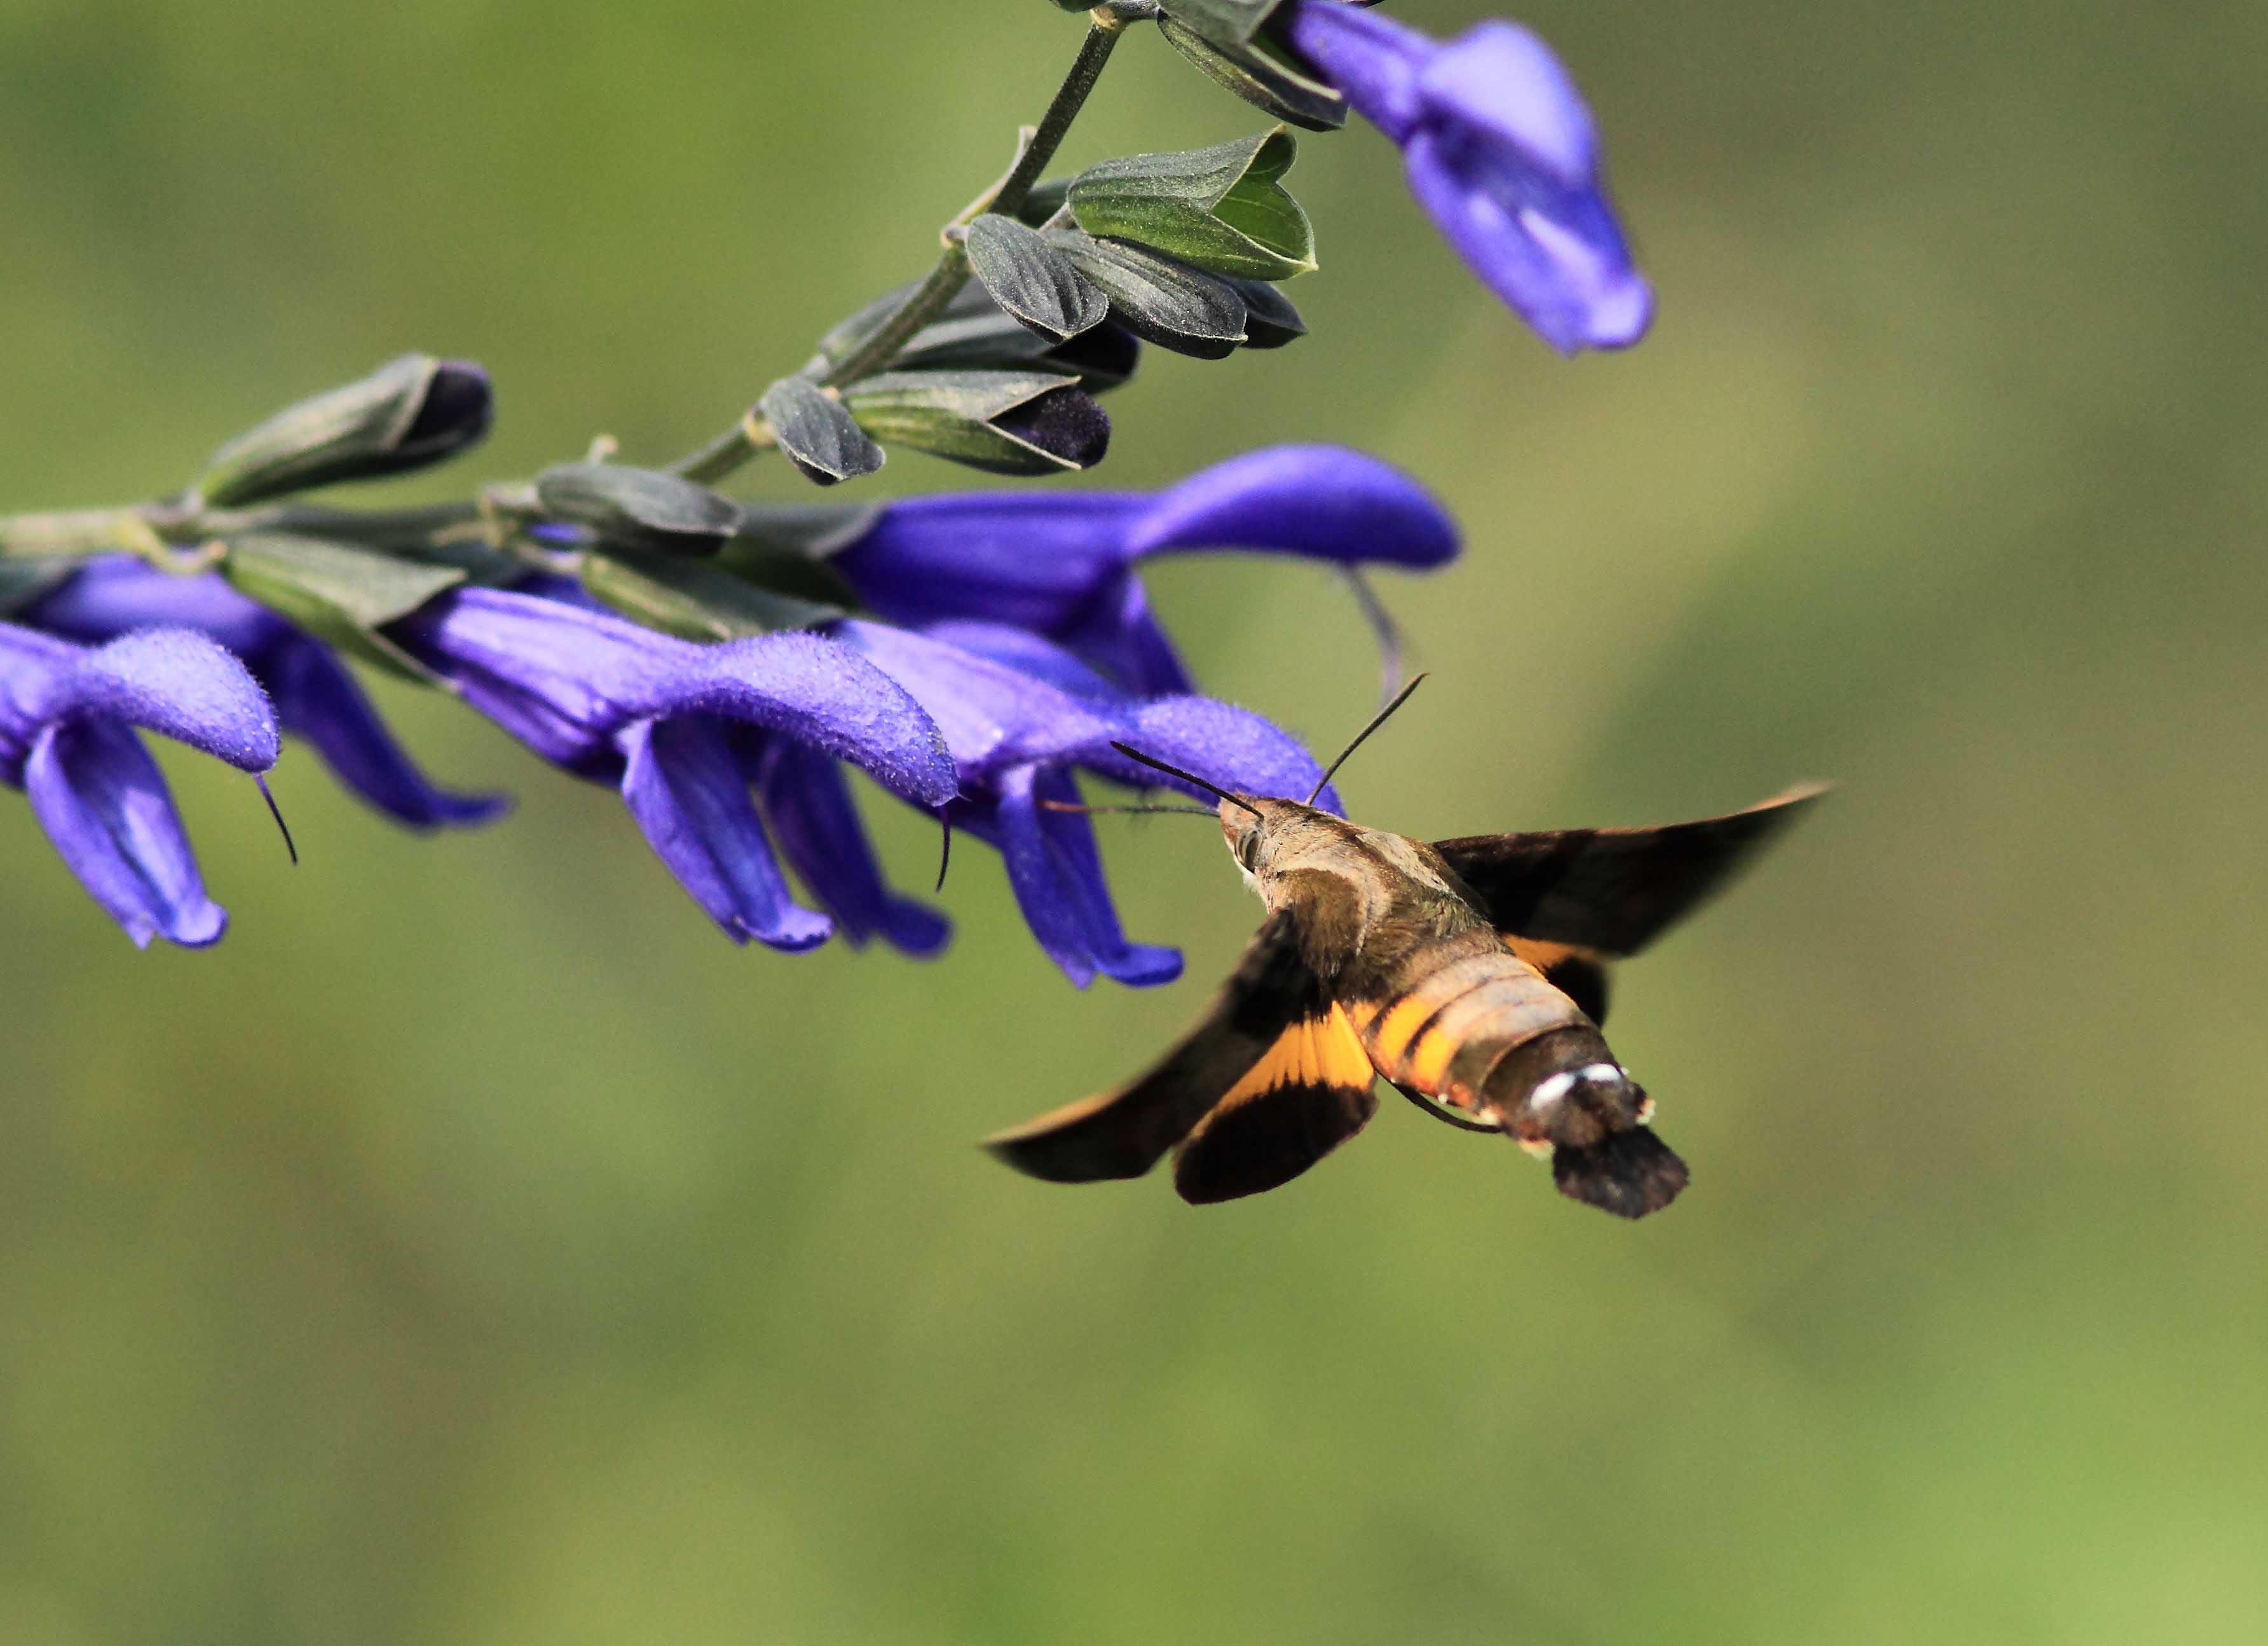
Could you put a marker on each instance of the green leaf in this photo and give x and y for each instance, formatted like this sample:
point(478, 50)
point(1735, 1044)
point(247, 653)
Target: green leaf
point(409, 413)
point(821, 438)
point(1223, 22)
point(24, 580)
point(1043, 201)
point(1171, 304)
point(1032, 282)
point(338, 593)
point(1261, 78)
point(1223, 209)
point(695, 600)
point(810, 531)
point(1006, 422)
point(637, 508)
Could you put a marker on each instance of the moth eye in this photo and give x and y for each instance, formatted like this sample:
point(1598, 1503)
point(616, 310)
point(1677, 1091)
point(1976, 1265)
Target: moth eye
point(1248, 848)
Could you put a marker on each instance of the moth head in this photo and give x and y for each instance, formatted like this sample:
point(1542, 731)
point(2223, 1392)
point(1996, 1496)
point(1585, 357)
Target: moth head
point(1245, 828)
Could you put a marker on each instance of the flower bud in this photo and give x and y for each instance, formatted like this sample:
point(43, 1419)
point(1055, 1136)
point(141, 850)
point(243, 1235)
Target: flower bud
point(409, 413)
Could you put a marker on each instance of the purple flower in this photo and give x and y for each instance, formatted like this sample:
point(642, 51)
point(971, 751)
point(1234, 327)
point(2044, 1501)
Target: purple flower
point(1018, 713)
point(65, 739)
point(686, 729)
point(1064, 564)
point(315, 697)
point(1500, 150)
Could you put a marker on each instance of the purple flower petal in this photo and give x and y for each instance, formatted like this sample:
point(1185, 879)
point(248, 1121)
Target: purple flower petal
point(1324, 502)
point(1375, 61)
point(992, 716)
point(1502, 84)
point(547, 668)
point(1501, 151)
point(169, 680)
point(314, 694)
point(1056, 876)
point(104, 804)
point(811, 814)
point(1568, 276)
point(685, 790)
point(1219, 741)
point(1032, 559)
point(317, 698)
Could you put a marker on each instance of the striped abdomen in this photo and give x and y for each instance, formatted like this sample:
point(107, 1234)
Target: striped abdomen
point(1467, 1023)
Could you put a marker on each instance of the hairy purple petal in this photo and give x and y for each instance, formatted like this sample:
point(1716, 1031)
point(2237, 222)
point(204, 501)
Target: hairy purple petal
point(1228, 745)
point(104, 804)
point(314, 694)
point(687, 792)
point(1323, 502)
point(317, 698)
point(812, 815)
point(1056, 876)
point(993, 716)
point(169, 680)
point(549, 670)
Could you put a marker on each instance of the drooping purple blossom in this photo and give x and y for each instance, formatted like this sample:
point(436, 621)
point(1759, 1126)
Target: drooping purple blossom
point(656, 716)
point(1018, 714)
point(66, 714)
point(1066, 566)
point(314, 694)
point(1500, 150)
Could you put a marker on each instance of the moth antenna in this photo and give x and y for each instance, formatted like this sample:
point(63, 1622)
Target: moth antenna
point(1383, 629)
point(1182, 811)
point(1213, 789)
point(1376, 720)
point(945, 855)
point(282, 828)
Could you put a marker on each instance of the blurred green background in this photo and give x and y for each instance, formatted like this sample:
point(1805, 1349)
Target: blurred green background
point(475, 1247)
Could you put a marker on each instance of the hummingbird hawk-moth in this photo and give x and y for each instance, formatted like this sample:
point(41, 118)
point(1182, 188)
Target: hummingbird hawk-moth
point(1471, 974)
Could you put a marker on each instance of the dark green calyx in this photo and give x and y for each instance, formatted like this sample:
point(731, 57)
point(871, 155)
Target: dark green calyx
point(820, 437)
point(1271, 320)
point(1222, 208)
point(640, 509)
point(1168, 303)
point(1261, 78)
point(1006, 422)
point(1032, 281)
point(409, 413)
point(695, 599)
point(1224, 22)
point(339, 591)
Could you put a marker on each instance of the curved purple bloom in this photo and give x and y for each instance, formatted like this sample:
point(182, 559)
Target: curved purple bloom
point(1064, 564)
point(314, 694)
point(668, 721)
point(1501, 151)
point(65, 739)
point(1018, 714)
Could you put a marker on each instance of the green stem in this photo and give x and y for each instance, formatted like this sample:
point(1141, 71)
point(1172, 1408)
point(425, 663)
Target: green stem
point(737, 445)
point(77, 532)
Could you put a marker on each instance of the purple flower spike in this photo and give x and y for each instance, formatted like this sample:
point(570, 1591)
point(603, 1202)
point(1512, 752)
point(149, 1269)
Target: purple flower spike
point(1064, 565)
point(65, 715)
point(1018, 713)
point(1500, 151)
point(315, 698)
point(683, 729)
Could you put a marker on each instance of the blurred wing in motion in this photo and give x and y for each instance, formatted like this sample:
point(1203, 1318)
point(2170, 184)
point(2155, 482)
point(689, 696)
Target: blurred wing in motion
point(1582, 895)
point(1263, 1086)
